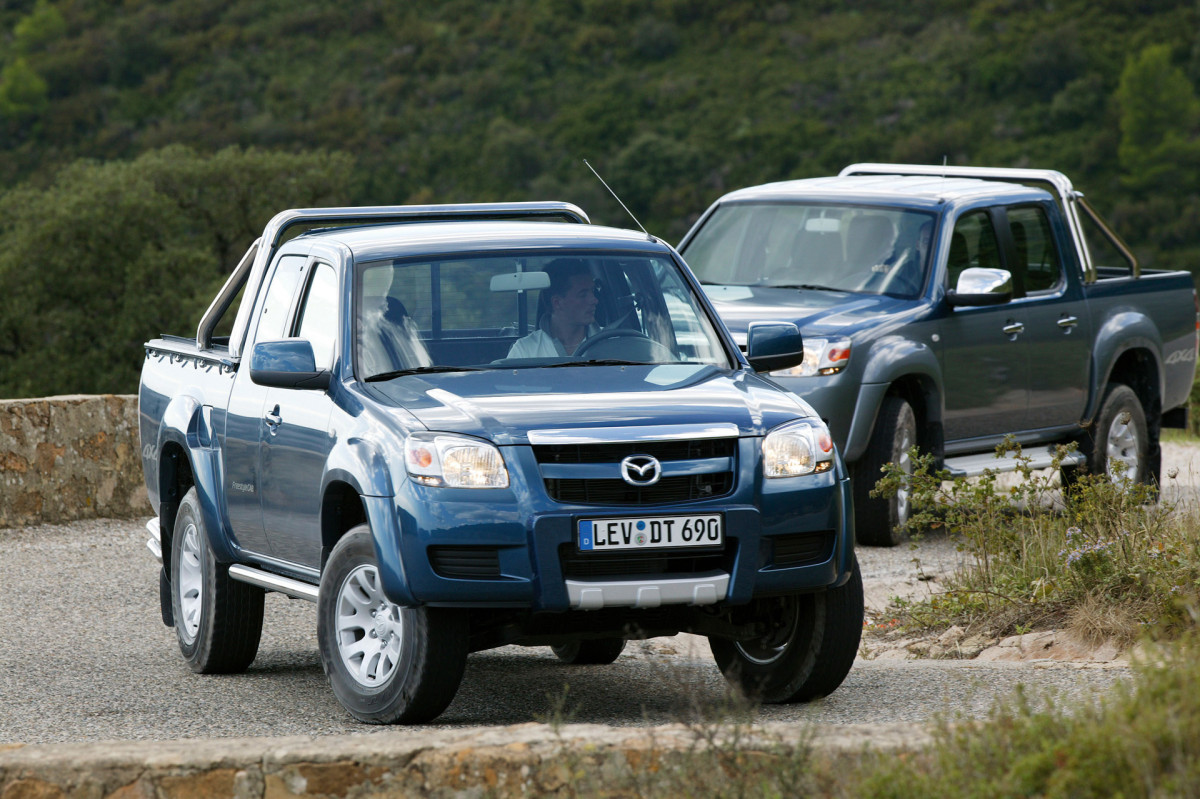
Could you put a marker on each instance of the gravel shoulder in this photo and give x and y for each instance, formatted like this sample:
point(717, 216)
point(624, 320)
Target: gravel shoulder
point(85, 657)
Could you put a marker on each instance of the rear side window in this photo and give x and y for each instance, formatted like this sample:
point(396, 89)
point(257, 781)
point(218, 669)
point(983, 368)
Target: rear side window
point(1037, 265)
point(272, 321)
point(319, 318)
point(973, 244)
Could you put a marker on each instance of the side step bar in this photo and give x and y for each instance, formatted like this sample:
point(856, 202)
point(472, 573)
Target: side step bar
point(273, 582)
point(155, 542)
point(243, 574)
point(1039, 458)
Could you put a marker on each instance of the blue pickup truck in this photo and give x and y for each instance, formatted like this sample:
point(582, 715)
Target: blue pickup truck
point(948, 307)
point(460, 427)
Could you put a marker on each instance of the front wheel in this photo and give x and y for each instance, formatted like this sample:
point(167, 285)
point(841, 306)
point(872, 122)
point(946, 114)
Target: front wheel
point(218, 620)
point(808, 652)
point(386, 664)
point(879, 521)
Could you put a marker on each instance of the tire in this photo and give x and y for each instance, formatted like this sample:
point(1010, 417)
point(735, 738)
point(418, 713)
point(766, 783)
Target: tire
point(217, 620)
point(809, 654)
point(1118, 434)
point(594, 652)
point(386, 664)
point(878, 519)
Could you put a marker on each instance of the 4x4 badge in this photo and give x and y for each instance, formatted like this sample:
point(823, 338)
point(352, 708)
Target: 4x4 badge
point(641, 470)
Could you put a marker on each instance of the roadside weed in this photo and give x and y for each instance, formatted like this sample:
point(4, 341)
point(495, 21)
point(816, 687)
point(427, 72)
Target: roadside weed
point(1102, 558)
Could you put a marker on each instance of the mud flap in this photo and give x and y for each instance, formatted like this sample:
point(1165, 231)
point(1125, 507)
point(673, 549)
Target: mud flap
point(164, 597)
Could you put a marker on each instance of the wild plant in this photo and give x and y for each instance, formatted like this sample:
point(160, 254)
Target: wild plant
point(1099, 555)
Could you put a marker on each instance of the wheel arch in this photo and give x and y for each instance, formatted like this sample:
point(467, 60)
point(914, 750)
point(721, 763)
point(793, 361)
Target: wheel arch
point(342, 510)
point(922, 394)
point(187, 457)
point(175, 477)
point(904, 368)
point(1138, 368)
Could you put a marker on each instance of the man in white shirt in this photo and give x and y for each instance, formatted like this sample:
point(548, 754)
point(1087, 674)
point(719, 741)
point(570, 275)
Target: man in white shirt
point(571, 312)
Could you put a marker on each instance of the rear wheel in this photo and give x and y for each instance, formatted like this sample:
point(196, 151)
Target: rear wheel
point(218, 620)
point(596, 651)
point(1118, 442)
point(878, 520)
point(808, 653)
point(386, 664)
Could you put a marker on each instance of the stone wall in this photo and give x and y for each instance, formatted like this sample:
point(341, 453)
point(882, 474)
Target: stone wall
point(528, 760)
point(67, 458)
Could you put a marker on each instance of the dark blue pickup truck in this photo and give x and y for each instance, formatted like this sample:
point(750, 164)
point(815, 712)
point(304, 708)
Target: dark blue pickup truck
point(948, 307)
point(461, 427)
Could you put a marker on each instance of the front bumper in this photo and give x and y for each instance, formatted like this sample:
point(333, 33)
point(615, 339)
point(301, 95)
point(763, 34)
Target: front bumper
point(781, 536)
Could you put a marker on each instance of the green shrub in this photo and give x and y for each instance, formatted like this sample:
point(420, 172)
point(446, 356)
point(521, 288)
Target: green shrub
point(1103, 558)
point(1141, 740)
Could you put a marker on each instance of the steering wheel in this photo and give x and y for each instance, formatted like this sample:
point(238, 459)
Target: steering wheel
point(624, 344)
point(900, 279)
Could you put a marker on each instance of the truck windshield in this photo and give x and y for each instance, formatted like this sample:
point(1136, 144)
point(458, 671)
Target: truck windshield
point(527, 311)
point(850, 248)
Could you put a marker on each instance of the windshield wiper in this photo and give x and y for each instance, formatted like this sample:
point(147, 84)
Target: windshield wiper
point(595, 362)
point(420, 370)
point(803, 286)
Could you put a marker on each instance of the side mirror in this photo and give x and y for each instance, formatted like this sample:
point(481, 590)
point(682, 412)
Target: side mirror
point(287, 363)
point(980, 286)
point(774, 345)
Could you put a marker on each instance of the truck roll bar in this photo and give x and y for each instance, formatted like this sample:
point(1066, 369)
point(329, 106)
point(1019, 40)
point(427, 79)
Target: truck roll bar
point(253, 265)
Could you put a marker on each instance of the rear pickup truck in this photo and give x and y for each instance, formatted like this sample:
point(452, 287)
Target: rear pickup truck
point(947, 307)
point(459, 427)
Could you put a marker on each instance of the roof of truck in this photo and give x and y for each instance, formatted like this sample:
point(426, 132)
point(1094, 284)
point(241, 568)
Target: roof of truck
point(910, 190)
point(369, 242)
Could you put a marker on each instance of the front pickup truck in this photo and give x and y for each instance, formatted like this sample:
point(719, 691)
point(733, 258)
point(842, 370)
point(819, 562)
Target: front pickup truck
point(949, 307)
point(460, 427)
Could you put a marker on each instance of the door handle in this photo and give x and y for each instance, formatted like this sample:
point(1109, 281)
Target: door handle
point(273, 420)
point(1014, 329)
point(1068, 322)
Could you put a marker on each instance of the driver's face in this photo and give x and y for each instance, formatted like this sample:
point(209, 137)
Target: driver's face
point(578, 305)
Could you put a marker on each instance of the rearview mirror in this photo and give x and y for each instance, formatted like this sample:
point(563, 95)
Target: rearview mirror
point(774, 345)
point(287, 363)
point(981, 286)
point(521, 281)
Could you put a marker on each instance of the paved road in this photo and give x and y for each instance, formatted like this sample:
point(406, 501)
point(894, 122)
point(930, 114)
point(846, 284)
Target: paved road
point(84, 657)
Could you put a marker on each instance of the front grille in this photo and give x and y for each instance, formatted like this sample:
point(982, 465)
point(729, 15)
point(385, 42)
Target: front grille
point(472, 563)
point(615, 491)
point(683, 488)
point(799, 549)
point(577, 564)
point(698, 449)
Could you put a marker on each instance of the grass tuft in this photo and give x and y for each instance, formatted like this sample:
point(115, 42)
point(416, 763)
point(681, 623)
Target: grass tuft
point(1103, 559)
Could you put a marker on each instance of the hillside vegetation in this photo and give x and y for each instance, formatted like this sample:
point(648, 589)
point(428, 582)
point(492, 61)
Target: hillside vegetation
point(674, 101)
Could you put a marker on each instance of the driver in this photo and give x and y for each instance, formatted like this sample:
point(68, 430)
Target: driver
point(567, 312)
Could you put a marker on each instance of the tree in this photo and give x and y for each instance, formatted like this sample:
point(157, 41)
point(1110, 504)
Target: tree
point(112, 254)
point(22, 91)
point(1159, 148)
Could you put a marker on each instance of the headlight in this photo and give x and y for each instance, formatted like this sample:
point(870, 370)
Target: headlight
point(822, 356)
point(439, 459)
point(797, 448)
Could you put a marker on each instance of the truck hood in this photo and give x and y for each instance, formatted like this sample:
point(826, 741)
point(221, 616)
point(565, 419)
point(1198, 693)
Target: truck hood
point(504, 405)
point(815, 312)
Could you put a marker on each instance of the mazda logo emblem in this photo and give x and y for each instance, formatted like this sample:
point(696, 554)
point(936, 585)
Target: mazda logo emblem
point(641, 470)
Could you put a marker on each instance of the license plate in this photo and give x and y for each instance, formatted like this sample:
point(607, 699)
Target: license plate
point(651, 532)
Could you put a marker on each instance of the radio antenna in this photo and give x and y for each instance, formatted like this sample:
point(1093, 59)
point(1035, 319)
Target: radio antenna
point(615, 197)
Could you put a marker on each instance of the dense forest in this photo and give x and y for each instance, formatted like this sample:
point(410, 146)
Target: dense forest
point(143, 143)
